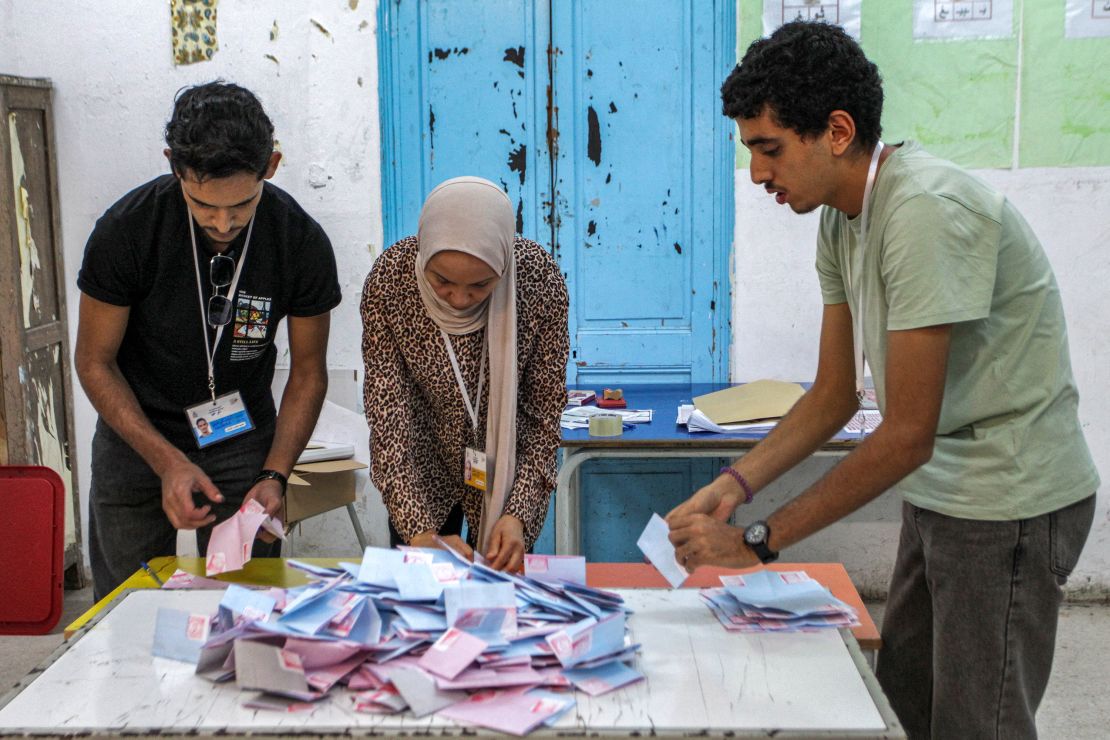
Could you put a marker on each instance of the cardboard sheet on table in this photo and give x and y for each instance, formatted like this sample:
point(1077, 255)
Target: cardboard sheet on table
point(760, 399)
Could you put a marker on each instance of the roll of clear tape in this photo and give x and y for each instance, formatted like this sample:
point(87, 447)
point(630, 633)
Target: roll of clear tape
point(606, 425)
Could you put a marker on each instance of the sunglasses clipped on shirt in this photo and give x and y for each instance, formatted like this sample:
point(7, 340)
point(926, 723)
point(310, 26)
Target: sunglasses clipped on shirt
point(221, 271)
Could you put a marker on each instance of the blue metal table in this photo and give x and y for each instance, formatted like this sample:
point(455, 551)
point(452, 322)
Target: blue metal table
point(662, 437)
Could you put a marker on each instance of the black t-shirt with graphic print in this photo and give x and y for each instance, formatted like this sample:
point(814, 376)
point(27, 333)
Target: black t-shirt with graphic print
point(139, 255)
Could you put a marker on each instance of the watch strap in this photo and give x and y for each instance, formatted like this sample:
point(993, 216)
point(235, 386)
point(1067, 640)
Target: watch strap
point(268, 474)
point(760, 547)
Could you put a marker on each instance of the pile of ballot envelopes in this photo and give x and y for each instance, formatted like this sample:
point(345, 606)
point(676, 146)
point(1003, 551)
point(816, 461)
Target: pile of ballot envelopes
point(774, 601)
point(415, 630)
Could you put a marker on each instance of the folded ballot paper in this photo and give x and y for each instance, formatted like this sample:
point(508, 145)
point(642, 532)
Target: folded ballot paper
point(774, 601)
point(416, 630)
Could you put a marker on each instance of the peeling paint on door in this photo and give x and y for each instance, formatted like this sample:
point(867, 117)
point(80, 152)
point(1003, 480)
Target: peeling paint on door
point(28, 251)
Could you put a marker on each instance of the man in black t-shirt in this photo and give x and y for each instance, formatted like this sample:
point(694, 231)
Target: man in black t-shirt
point(184, 283)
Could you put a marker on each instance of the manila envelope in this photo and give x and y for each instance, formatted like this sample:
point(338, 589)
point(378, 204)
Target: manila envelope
point(760, 399)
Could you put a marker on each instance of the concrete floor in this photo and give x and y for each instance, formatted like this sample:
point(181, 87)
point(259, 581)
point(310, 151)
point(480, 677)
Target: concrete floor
point(1074, 707)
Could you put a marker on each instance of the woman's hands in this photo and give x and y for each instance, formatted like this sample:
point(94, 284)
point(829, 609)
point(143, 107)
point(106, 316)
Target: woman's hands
point(506, 544)
point(458, 544)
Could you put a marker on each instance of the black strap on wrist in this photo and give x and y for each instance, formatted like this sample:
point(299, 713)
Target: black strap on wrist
point(268, 474)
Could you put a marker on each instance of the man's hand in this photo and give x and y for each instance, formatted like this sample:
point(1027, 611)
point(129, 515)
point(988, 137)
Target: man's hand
point(716, 500)
point(458, 544)
point(178, 484)
point(699, 540)
point(506, 544)
point(268, 494)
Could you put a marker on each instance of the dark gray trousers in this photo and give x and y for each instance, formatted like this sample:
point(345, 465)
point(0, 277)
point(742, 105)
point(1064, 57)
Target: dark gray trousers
point(127, 525)
point(970, 624)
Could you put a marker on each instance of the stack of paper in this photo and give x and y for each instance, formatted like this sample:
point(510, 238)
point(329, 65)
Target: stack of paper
point(753, 407)
point(695, 421)
point(755, 401)
point(772, 601)
point(318, 451)
point(579, 417)
point(417, 630)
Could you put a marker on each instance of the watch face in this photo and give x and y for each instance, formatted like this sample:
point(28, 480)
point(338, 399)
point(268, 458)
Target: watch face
point(755, 533)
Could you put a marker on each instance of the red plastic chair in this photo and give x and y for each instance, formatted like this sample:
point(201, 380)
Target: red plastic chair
point(32, 539)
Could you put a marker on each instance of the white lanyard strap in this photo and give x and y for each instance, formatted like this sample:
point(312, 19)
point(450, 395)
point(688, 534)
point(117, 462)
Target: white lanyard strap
point(471, 408)
point(210, 351)
point(857, 315)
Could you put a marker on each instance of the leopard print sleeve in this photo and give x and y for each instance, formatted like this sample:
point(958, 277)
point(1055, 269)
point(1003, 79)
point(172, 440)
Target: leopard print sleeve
point(542, 302)
point(391, 399)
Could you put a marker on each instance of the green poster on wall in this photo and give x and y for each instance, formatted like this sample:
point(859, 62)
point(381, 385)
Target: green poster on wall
point(959, 96)
point(1065, 91)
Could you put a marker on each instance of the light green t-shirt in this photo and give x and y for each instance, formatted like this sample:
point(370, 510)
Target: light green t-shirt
point(945, 248)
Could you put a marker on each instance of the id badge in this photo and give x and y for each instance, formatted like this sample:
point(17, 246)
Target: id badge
point(215, 421)
point(474, 469)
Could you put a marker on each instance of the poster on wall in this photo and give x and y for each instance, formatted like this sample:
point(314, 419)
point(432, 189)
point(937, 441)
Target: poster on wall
point(193, 28)
point(843, 13)
point(1086, 19)
point(963, 19)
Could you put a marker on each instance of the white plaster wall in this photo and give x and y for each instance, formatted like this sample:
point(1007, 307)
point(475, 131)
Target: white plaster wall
point(114, 84)
point(7, 39)
point(776, 321)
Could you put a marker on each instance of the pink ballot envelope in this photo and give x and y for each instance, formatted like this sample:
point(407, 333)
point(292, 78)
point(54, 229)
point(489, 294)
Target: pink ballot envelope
point(571, 568)
point(511, 712)
point(451, 653)
point(230, 546)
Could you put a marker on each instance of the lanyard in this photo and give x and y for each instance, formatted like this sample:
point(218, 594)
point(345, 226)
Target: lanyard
point(471, 408)
point(210, 351)
point(857, 315)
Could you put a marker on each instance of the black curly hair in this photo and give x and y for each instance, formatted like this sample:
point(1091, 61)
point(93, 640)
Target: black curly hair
point(803, 72)
point(219, 129)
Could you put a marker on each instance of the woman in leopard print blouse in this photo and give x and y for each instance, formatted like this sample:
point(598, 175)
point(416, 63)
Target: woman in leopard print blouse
point(462, 277)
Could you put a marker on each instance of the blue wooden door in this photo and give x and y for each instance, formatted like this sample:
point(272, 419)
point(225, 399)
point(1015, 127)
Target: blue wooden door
point(602, 122)
point(463, 88)
point(643, 184)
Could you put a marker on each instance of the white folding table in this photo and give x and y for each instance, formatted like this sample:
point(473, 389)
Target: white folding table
point(700, 680)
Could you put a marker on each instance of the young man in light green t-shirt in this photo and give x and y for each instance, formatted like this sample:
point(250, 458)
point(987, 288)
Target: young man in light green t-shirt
point(939, 283)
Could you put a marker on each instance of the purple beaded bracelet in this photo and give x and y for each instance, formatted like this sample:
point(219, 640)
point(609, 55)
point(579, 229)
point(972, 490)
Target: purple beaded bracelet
point(749, 494)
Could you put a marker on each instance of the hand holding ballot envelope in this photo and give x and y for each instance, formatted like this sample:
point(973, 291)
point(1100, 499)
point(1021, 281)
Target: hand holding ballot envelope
point(700, 531)
point(506, 545)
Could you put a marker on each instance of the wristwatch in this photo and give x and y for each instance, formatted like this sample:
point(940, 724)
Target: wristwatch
point(272, 475)
point(755, 537)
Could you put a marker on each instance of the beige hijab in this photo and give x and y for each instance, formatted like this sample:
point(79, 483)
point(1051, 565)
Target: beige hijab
point(474, 216)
